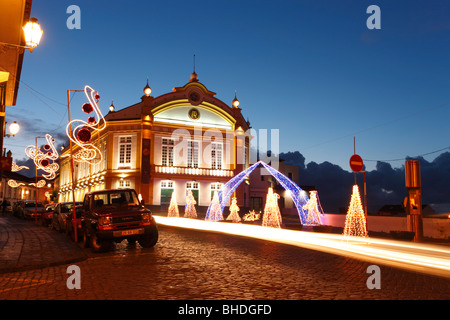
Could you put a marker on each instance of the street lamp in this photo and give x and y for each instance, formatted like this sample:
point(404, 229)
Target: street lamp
point(13, 128)
point(147, 89)
point(32, 32)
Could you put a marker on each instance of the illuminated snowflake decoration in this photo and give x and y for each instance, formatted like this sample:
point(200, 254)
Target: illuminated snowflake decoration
point(45, 161)
point(82, 132)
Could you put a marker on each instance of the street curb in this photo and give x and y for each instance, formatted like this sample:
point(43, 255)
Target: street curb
point(42, 265)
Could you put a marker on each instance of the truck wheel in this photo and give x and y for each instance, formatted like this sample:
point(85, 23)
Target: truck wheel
point(149, 241)
point(98, 245)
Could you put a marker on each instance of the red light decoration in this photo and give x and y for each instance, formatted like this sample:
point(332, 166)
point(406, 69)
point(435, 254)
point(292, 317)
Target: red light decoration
point(83, 131)
point(87, 108)
point(42, 160)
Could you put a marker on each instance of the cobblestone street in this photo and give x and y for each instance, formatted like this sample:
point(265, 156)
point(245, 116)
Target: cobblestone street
point(190, 265)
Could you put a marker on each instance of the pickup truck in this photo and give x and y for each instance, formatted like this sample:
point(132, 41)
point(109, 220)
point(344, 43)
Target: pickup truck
point(114, 215)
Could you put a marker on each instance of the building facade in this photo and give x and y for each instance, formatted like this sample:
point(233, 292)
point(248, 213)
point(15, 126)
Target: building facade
point(183, 140)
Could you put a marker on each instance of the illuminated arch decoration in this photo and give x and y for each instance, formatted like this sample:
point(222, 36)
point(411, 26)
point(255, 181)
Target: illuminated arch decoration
point(82, 133)
point(299, 196)
point(45, 161)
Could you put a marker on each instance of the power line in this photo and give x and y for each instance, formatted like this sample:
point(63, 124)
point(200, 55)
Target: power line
point(402, 159)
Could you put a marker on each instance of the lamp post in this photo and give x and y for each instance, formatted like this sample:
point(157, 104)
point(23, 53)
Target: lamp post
point(36, 189)
point(72, 173)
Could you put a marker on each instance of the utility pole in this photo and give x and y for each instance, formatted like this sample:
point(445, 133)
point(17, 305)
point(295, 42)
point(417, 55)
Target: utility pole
point(414, 199)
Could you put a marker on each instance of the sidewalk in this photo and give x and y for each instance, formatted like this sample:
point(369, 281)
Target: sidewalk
point(25, 245)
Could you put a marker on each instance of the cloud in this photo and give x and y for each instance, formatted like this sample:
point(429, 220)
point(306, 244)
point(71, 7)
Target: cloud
point(385, 185)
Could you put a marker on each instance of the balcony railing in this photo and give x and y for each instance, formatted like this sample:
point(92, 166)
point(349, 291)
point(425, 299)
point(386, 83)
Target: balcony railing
point(194, 171)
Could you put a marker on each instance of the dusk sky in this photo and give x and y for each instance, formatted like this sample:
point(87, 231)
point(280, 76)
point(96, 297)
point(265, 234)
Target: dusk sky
point(311, 69)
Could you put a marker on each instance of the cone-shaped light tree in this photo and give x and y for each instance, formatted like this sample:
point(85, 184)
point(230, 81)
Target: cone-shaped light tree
point(355, 221)
point(215, 213)
point(173, 207)
point(189, 209)
point(272, 214)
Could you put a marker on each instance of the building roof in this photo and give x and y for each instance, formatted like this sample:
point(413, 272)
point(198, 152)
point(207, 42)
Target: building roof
point(194, 93)
point(13, 15)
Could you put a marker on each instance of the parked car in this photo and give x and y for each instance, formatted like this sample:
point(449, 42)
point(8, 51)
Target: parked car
point(8, 207)
point(114, 215)
point(59, 217)
point(15, 208)
point(29, 209)
point(47, 216)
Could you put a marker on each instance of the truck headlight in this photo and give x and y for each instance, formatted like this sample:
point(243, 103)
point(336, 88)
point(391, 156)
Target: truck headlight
point(145, 217)
point(104, 220)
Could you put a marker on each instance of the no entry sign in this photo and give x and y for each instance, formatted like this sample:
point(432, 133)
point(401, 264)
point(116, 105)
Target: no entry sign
point(356, 163)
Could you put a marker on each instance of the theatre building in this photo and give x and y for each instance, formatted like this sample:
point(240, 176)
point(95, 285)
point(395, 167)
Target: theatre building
point(181, 140)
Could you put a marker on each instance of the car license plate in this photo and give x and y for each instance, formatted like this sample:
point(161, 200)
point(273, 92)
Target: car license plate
point(128, 232)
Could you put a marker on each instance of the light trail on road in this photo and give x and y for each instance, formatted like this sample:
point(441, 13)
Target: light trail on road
point(426, 258)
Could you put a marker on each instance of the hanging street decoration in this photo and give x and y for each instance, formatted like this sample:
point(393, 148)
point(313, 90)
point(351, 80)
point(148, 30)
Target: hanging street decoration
point(45, 161)
point(16, 168)
point(14, 184)
point(82, 132)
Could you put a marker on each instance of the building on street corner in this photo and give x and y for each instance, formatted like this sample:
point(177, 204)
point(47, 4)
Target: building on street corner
point(183, 140)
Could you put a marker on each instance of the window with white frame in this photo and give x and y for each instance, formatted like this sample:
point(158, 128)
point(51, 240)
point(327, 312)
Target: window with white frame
point(124, 183)
point(125, 144)
point(215, 187)
point(192, 154)
point(216, 155)
point(166, 191)
point(193, 186)
point(167, 152)
point(167, 184)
